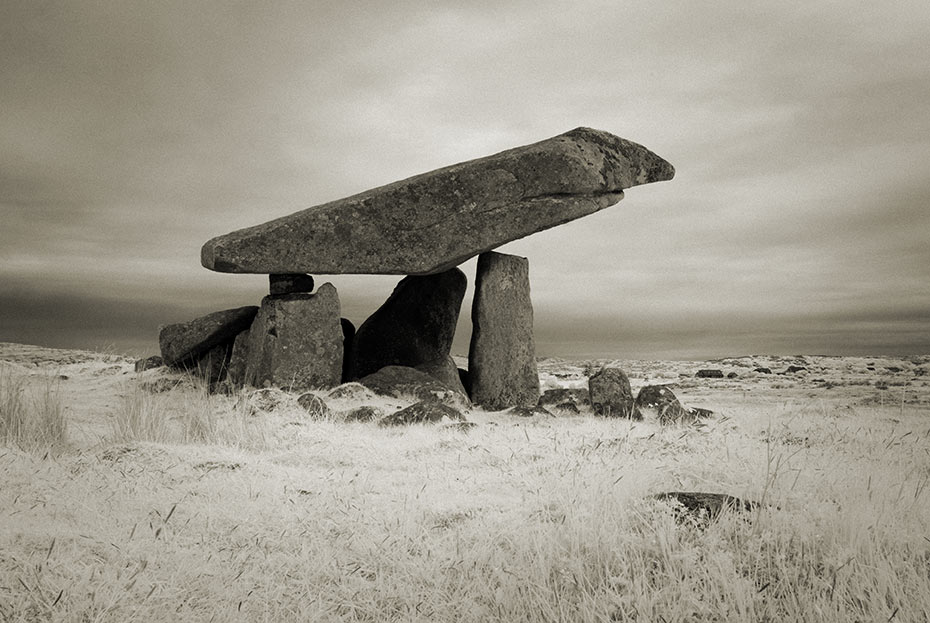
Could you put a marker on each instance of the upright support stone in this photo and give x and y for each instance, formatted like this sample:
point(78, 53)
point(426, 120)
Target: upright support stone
point(502, 358)
point(414, 327)
point(296, 341)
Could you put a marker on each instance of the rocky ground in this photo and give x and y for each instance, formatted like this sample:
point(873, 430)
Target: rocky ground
point(166, 503)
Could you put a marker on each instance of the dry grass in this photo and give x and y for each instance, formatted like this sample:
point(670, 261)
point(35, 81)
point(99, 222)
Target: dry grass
point(31, 418)
point(272, 516)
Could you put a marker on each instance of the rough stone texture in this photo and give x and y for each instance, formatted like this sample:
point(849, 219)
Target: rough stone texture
point(414, 326)
point(420, 412)
point(148, 363)
point(763, 370)
point(709, 374)
point(364, 413)
point(437, 220)
point(183, 343)
point(350, 392)
point(212, 365)
point(296, 341)
point(661, 402)
point(564, 396)
point(266, 400)
point(705, 505)
point(502, 356)
point(313, 405)
point(403, 381)
point(611, 394)
point(238, 358)
point(289, 283)
point(445, 371)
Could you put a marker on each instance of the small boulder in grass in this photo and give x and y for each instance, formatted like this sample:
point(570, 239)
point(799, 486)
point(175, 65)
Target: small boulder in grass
point(611, 395)
point(709, 374)
point(704, 506)
point(355, 392)
point(267, 400)
point(420, 412)
point(314, 406)
point(364, 413)
point(155, 361)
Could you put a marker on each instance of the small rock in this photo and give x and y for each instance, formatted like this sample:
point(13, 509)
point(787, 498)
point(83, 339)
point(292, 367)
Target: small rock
point(763, 370)
point(420, 412)
point(611, 394)
point(661, 402)
point(524, 411)
point(289, 283)
point(704, 505)
point(709, 374)
point(268, 400)
point(403, 381)
point(732, 375)
point(355, 392)
point(577, 397)
point(365, 413)
point(155, 361)
point(313, 405)
point(699, 413)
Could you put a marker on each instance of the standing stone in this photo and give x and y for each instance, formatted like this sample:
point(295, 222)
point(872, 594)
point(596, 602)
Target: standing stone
point(502, 357)
point(348, 334)
point(182, 344)
point(611, 394)
point(296, 341)
point(289, 283)
point(415, 326)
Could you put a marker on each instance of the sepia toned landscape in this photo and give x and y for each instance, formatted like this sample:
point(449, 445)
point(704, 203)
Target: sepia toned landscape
point(139, 496)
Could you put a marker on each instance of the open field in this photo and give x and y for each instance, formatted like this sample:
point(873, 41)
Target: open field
point(127, 504)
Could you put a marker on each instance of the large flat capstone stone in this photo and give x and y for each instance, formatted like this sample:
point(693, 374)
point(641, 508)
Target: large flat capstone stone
point(434, 221)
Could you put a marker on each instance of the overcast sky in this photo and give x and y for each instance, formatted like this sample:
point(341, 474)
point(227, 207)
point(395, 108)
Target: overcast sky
point(133, 131)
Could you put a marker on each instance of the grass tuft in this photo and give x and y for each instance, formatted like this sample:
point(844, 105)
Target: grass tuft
point(31, 418)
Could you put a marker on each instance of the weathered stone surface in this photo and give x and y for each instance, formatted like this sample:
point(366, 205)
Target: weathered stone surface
point(703, 505)
point(289, 283)
point(212, 365)
point(238, 359)
point(709, 374)
point(184, 342)
point(763, 370)
point(296, 341)
point(437, 220)
point(414, 326)
point(315, 407)
point(611, 394)
point(661, 402)
point(355, 392)
point(364, 413)
point(148, 363)
point(403, 381)
point(502, 356)
point(561, 396)
point(420, 412)
point(445, 371)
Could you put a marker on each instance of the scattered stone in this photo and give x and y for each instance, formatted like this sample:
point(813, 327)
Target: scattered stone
point(314, 406)
point(405, 382)
point(793, 370)
point(420, 412)
point(267, 400)
point(296, 341)
point(364, 413)
point(893, 369)
point(161, 385)
point(525, 411)
point(289, 283)
point(709, 374)
point(183, 343)
point(149, 363)
point(354, 392)
point(763, 370)
point(460, 427)
point(414, 326)
point(704, 506)
point(502, 357)
point(434, 221)
point(732, 375)
point(661, 402)
point(561, 396)
point(611, 394)
point(699, 413)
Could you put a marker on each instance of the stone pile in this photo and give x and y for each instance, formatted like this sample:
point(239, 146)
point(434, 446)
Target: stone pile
point(422, 227)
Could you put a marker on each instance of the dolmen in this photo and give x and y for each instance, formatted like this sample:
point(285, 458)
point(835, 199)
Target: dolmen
point(422, 227)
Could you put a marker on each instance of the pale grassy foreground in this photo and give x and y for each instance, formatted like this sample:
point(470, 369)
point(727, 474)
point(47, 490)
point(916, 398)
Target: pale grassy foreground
point(235, 516)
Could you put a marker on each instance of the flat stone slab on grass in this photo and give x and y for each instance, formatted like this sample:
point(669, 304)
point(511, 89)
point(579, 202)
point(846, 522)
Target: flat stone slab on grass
point(437, 220)
point(185, 342)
